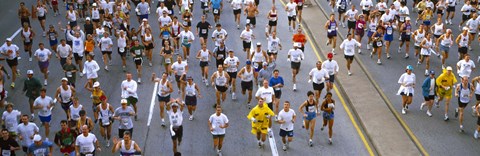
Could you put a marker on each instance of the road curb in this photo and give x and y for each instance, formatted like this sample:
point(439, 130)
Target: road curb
point(378, 89)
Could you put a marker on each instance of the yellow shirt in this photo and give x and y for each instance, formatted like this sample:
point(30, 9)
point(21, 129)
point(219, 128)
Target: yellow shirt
point(446, 79)
point(260, 115)
point(96, 94)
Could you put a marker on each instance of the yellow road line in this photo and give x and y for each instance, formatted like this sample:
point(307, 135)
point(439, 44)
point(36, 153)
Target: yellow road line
point(347, 109)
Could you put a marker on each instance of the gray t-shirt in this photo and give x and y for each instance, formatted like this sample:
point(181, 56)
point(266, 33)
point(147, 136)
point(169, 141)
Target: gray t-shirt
point(266, 74)
point(126, 119)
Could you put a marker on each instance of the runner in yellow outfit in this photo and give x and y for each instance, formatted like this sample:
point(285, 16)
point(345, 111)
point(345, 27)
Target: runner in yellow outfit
point(260, 116)
point(445, 84)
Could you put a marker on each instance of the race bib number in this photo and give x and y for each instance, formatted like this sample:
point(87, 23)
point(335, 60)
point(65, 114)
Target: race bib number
point(6, 152)
point(215, 11)
point(76, 43)
point(311, 109)
point(389, 31)
point(247, 21)
point(168, 61)
point(69, 74)
point(190, 93)
point(220, 55)
point(125, 121)
point(349, 50)
point(379, 43)
point(52, 37)
point(204, 31)
point(86, 149)
point(138, 52)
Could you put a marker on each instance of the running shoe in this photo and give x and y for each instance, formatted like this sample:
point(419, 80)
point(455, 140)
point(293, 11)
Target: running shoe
point(475, 135)
point(284, 147)
point(330, 141)
point(404, 111)
point(446, 118)
point(456, 112)
point(429, 113)
point(422, 105)
point(310, 142)
point(461, 129)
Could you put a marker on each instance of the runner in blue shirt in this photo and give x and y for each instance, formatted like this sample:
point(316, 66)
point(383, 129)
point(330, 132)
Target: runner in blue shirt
point(276, 82)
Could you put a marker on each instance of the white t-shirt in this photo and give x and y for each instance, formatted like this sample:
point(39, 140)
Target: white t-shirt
point(160, 11)
point(64, 51)
point(466, 9)
point(175, 119)
point(186, 36)
point(232, 63)
point(387, 18)
point(318, 76)
point(265, 93)
point(348, 46)
point(291, 9)
point(105, 42)
point(44, 102)
point(236, 4)
point(26, 131)
point(42, 55)
point(218, 121)
point(247, 35)
point(13, 51)
point(219, 36)
point(90, 69)
point(465, 68)
point(180, 68)
point(11, 120)
point(273, 44)
point(330, 66)
point(382, 6)
point(472, 25)
point(351, 14)
point(86, 143)
point(296, 55)
point(164, 20)
point(131, 89)
point(366, 4)
point(287, 117)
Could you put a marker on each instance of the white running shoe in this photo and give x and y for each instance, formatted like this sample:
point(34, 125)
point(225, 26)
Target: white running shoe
point(310, 142)
point(475, 135)
point(30, 59)
point(139, 80)
point(45, 83)
point(284, 147)
point(233, 96)
point(429, 113)
point(190, 118)
point(404, 111)
point(422, 105)
point(294, 87)
point(108, 143)
point(349, 73)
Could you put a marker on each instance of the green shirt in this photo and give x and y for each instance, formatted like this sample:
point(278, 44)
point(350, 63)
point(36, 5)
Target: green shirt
point(71, 76)
point(32, 87)
point(137, 51)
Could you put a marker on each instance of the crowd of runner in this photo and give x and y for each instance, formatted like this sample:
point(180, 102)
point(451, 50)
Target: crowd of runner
point(105, 26)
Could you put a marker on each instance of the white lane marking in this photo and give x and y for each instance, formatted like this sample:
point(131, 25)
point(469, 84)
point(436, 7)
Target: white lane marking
point(152, 103)
point(273, 145)
point(13, 36)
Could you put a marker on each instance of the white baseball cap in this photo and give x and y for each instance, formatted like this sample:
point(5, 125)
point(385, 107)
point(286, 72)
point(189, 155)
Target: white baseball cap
point(96, 84)
point(9, 39)
point(29, 71)
point(449, 68)
point(88, 18)
point(64, 79)
point(94, 4)
point(123, 101)
point(37, 137)
point(407, 18)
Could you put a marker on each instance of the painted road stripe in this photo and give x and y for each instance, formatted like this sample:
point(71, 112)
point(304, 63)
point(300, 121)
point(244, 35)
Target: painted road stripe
point(13, 36)
point(342, 100)
point(152, 104)
point(273, 145)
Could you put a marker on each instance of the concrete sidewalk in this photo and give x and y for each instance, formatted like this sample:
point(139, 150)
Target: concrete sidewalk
point(388, 135)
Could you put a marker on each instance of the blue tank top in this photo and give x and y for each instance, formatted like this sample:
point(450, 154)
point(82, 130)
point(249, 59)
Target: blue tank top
point(333, 27)
point(389, 31)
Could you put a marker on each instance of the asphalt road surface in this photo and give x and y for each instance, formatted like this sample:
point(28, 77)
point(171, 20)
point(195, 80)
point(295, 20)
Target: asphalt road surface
point(197, 140)
point(437, 136)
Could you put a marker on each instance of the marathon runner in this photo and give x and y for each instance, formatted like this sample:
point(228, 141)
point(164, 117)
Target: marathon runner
point(86, 143)
point(274, 44)
point(286, 119)
point(407, 85)
point(309, 115)
point(73, 113)
point(65, 94)
point(180, 69)
point(247, 36)
point(65, 139)
point(43, 56)
point(126, 146)
point(129, 92)
point(175, 115)
point(25, 131)
point(91, 69)
point(12, 54)
point(246, 76)
point(8, 144)
point(10, 120)
point(84, 120)
point(186, 38)
point(137, 51)
point(231, 63)
point(220, 53)
point(39, 147)
point(406, 32)
point(428, 90)
point(124, 114)
point(465, 66)
point(31, 88)
point(331, 26)
point(164, 90)
point(443, 44)
point(217, 123)
point(27, 35)
point(220, 79)
point(352, 19)
point(291, 9)
point(202, 30)
point(204, 55)
point(318, 75)
point(328, 106)
point(261, 117)
point(45, 104)
point(295, 56)
point(104, 113)
point(445, 83)
point(277, 83)
point(331, 66)
point(192, 91)
point(348, 45)
point(63, 52)
point(463, 42)
point(251, 11)
point(425, 52)
point(464, 91)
